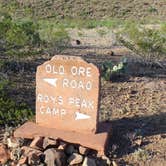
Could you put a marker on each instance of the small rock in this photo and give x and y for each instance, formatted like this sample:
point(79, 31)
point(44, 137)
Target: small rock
point(14, 163)
point(12, 143)
point(106, 159)
point(15, 153)
point(70, 149)
point(37, 143)
point(162, 136)
point(34, 155)
point(75, 158)
point(83, 150)
point(89, 162)
point(47, 142)
point(33, 159)
point(62, 145)
point(111, 53)
point(78, 42)
point(25, 150)
point(23, 160)
point(8, 133)
point(138, 142)
point(114, 163)
point(4, 154)
point(55, 157)
point(50, 157)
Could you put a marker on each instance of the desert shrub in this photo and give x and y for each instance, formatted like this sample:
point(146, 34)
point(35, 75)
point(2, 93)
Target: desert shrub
point(54, 39)
point(141, 155)
point(11, 113)
point(22, 33)
point(22, 37)
point(17, 35)
point(109, 70)
point(49, 33)
point(148, 43)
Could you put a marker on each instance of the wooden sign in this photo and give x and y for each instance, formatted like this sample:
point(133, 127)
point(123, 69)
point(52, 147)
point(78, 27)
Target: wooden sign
point(67, 91)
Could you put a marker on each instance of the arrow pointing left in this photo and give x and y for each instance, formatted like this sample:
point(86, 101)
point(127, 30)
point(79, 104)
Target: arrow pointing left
point(51, 81)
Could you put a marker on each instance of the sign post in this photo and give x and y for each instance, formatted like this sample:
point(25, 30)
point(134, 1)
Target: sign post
point(67, 92)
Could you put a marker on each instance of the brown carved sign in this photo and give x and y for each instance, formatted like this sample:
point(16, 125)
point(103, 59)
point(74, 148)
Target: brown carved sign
point(67, 90)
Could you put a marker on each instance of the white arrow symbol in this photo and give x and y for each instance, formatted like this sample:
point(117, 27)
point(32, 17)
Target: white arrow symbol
point(81, 116)
point(51, 81)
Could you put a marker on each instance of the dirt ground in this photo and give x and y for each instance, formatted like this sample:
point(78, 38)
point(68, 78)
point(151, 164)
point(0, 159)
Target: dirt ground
point(134, 102)
point(94, 9)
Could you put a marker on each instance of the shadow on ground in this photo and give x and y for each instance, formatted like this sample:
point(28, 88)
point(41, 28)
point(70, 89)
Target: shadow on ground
point(126, 130)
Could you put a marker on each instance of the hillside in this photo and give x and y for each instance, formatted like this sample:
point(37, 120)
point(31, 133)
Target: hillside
point(93, 9)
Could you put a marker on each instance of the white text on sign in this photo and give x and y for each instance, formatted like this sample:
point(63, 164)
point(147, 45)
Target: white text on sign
point(74, 101)
point(75, 71)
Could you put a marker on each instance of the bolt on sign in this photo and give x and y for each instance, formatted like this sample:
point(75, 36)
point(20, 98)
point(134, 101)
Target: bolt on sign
point(67, 91)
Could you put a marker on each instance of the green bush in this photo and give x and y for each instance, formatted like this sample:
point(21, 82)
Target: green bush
point(18, 34)
point(23, 33)
point(146, 42)
point(110, 70)
point(11, 113)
